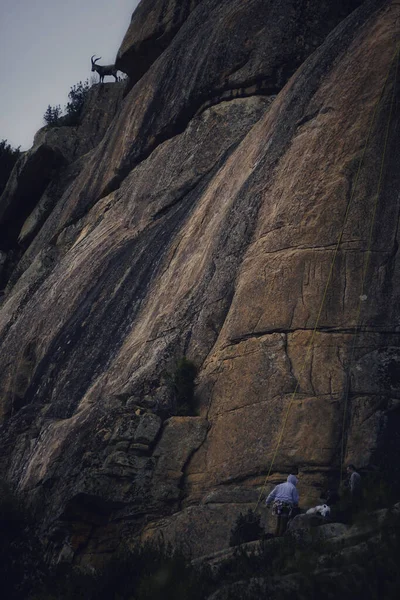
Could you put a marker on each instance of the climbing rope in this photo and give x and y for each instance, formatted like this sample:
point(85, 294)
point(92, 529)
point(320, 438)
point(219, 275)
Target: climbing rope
point(336, 250)
point(367, 258)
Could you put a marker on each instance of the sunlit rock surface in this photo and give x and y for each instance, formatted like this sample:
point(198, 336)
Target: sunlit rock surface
point(204, 223)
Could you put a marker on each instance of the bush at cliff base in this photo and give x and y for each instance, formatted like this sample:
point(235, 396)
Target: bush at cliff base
point(21, 555)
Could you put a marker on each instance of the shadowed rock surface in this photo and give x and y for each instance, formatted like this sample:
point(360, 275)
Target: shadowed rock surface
point(42, 174)
point(151, 30)
point(204, 223)
point(331, 559)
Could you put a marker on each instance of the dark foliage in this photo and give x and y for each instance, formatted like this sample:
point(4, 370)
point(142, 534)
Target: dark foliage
point(247, 528)
point(182, 385)
point(21, 555)
point(158, 574)
point(142, 573)
point(8, 158)
point(54, 116)
point(77, 96)
point(319, 568)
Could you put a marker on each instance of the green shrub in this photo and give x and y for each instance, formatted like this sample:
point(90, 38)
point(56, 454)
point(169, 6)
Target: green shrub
point(247, 528)
point(370, 572)
point(21, 555)
point(157, 573)
point(77, 97)
point(142, 573)
point(54, 117)
point(151, 573)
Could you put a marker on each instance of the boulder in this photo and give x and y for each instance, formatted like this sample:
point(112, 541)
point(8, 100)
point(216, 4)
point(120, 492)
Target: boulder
point(153, 26)
point(148, 428)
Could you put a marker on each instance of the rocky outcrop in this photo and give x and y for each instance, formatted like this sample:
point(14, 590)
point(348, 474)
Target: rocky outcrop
point(101, 105)
point(333, 558)
point(42, 174)
point(205, 224)
point(152, 28)
point(203, 65)
point(31, 175)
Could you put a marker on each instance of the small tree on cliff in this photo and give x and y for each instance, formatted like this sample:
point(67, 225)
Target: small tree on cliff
point(52, 116)
point(77, 95)
point(77, 98)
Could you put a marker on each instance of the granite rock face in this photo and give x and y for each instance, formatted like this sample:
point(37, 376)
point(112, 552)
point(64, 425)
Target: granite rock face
point(42, 174)
point(101, 105)
point(205, 223)
point(152, 28)
point(203, 64)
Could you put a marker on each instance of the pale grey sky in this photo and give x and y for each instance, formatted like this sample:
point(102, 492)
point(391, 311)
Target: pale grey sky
point(45, 48)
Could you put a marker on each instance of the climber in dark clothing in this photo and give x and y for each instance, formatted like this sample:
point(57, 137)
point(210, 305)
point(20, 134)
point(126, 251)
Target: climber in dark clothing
point(355, 487)
point(285, 498)
point(354, 482)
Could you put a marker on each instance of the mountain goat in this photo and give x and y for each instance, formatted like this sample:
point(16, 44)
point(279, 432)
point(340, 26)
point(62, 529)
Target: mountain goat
point(104, 70)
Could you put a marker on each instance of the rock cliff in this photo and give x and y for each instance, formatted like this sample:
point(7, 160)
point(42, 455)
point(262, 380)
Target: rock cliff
point(44, 172)
point(239, 207)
